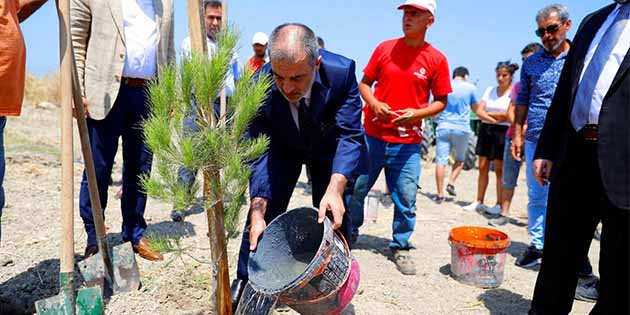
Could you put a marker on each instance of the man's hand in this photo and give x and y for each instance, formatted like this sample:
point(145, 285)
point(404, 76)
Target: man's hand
point(333, 200)
point(381, 110)
point(257, 223)
point(407, 117)
point(542, 171)
point(85, 109)
point(517, 147)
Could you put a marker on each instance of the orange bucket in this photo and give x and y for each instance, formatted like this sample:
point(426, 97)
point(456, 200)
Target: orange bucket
point(478, 255)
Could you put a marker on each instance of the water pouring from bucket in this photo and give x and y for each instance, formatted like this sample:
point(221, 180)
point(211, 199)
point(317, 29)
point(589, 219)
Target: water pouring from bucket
point(303, 264)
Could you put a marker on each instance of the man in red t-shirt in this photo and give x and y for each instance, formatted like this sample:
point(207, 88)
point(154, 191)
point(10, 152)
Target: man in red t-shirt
point(259, 44)
point(405, 70)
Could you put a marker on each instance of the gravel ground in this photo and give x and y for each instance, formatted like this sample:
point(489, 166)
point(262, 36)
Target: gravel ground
point(182, 283)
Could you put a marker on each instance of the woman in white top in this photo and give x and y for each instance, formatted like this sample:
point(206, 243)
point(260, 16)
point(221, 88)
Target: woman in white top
point(491, 139)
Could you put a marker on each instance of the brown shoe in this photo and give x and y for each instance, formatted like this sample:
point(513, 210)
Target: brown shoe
point(90, 251)
point(144, 250)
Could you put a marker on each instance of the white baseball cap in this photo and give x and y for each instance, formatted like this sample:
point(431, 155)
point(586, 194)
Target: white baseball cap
point(260, 38)
point(424, 5)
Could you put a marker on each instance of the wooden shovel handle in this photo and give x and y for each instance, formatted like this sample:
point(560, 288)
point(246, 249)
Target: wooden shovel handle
point(66, 258)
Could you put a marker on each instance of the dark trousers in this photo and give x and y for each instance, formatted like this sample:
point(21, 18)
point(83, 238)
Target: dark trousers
point(282, 185)
point(577, 202)
point(124, 120)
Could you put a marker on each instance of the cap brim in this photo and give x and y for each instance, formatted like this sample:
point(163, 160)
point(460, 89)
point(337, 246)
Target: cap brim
point(421, 8)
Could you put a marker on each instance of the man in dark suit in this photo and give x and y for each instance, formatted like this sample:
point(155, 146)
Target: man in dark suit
point(312, 116)
point(584, 151)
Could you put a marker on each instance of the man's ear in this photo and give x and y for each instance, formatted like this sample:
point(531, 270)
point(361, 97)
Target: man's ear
point(431, 21)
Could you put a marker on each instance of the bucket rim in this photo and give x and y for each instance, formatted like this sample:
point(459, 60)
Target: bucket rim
point(328, 229)
point(502, 242)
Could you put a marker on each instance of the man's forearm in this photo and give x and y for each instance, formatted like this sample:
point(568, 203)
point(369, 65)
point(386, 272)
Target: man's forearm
point(520, 115)
point(366, 93)
point(28, 7)
point(433, 109)
point(337, 183)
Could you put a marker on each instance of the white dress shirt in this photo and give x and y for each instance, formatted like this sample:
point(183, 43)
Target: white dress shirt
point(612, 65)
point(141, 39)
point(295, 107)
point(232, 74)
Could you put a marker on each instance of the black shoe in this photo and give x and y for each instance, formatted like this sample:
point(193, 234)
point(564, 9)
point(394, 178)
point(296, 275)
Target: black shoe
point(530, 258)
point(587, 291)
point(386, 200)
point(308, 190)
point(438, 199)
point(236, 290)
point(450, 189)
point(177, 216)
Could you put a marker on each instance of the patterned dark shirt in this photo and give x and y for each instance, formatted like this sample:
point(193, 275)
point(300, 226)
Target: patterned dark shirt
point(539, 78)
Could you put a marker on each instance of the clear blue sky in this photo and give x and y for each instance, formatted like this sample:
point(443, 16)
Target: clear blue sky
point(475, 34)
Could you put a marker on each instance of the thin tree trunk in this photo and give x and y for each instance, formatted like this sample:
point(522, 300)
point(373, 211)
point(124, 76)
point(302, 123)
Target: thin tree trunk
point(216, 227)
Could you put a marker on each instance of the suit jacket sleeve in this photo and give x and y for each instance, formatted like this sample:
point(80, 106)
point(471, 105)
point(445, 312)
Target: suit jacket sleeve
point(80, 21)
point(259, 184)
point(350, 133)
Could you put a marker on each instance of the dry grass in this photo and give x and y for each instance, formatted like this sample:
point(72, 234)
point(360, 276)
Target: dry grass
point(44, 88)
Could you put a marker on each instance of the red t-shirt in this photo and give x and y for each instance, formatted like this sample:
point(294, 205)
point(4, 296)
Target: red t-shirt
point(255, 64)
point(404, 78)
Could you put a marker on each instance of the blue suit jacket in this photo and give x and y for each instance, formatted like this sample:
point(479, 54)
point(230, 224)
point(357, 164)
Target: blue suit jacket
point(335, 105)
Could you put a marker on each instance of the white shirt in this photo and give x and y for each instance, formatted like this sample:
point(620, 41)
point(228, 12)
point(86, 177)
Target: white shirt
point(496, 103)
point(295, 107)
point(612, 65)
point(232, 74)
point(141, 39)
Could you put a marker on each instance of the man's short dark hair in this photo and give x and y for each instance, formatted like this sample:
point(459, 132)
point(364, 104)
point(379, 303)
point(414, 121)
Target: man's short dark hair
point(531, 48)
point(212, 4)
point(293, 34)
point(320, 42)
point(460, 72)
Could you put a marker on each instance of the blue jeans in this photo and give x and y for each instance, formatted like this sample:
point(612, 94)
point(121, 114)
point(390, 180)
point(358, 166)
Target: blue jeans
point(537, 206)
point(402, 172)
point(3, 123)
point(448, 139)
point(511, 167)
point(124, 120)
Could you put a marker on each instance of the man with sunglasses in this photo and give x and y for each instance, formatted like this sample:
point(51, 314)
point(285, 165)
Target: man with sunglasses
point(539, 78)
point(584, 151)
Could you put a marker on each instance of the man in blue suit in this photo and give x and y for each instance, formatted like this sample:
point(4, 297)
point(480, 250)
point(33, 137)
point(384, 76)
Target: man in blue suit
point(312, 116)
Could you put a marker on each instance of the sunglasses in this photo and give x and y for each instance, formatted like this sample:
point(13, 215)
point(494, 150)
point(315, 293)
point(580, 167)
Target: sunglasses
point(551, 29)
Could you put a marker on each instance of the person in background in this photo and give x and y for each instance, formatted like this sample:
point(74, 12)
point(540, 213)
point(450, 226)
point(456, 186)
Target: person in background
point(539, 78)
point(453, 130)
point(119, 47)
point(213, 17)
point(259, 44)
point(511, 167)
point(12, 69)
point(491, 140)
point(406, 71)
point(583, 152)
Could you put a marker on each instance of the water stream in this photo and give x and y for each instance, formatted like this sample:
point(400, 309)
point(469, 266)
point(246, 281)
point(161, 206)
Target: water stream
point(254, 302)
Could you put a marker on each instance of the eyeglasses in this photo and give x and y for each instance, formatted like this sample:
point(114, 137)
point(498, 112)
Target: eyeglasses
point(551, 29)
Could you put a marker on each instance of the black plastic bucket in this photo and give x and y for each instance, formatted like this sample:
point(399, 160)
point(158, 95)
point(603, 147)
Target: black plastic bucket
point(306, 264)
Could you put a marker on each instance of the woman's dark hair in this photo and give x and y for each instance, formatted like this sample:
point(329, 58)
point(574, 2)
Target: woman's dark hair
point(508, 65)
point(531, 48)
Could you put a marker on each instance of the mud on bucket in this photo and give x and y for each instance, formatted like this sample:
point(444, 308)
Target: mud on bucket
point(478, 255)
point(306, 264)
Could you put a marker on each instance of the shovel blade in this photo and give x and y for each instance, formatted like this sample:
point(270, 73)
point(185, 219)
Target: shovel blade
point(89, 301)
point(61, 304)
point(93, 271)
point(126, 273)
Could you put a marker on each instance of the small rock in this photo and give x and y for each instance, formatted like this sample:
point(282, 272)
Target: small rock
point(46, 105)
point(6, 262)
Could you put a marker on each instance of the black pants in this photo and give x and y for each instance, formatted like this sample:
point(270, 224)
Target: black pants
point(577, 202)
point(282, 184)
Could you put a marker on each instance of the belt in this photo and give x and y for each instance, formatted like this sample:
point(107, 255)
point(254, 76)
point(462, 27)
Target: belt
point(134, 82)
point(589, 133)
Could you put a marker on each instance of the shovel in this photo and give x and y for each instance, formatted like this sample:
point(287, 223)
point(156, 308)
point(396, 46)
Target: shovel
point(116, 270)
point(88, 300)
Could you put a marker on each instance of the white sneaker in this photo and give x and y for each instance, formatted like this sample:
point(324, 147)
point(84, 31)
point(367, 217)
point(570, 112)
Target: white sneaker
point(494, 210)
point(475, 206)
